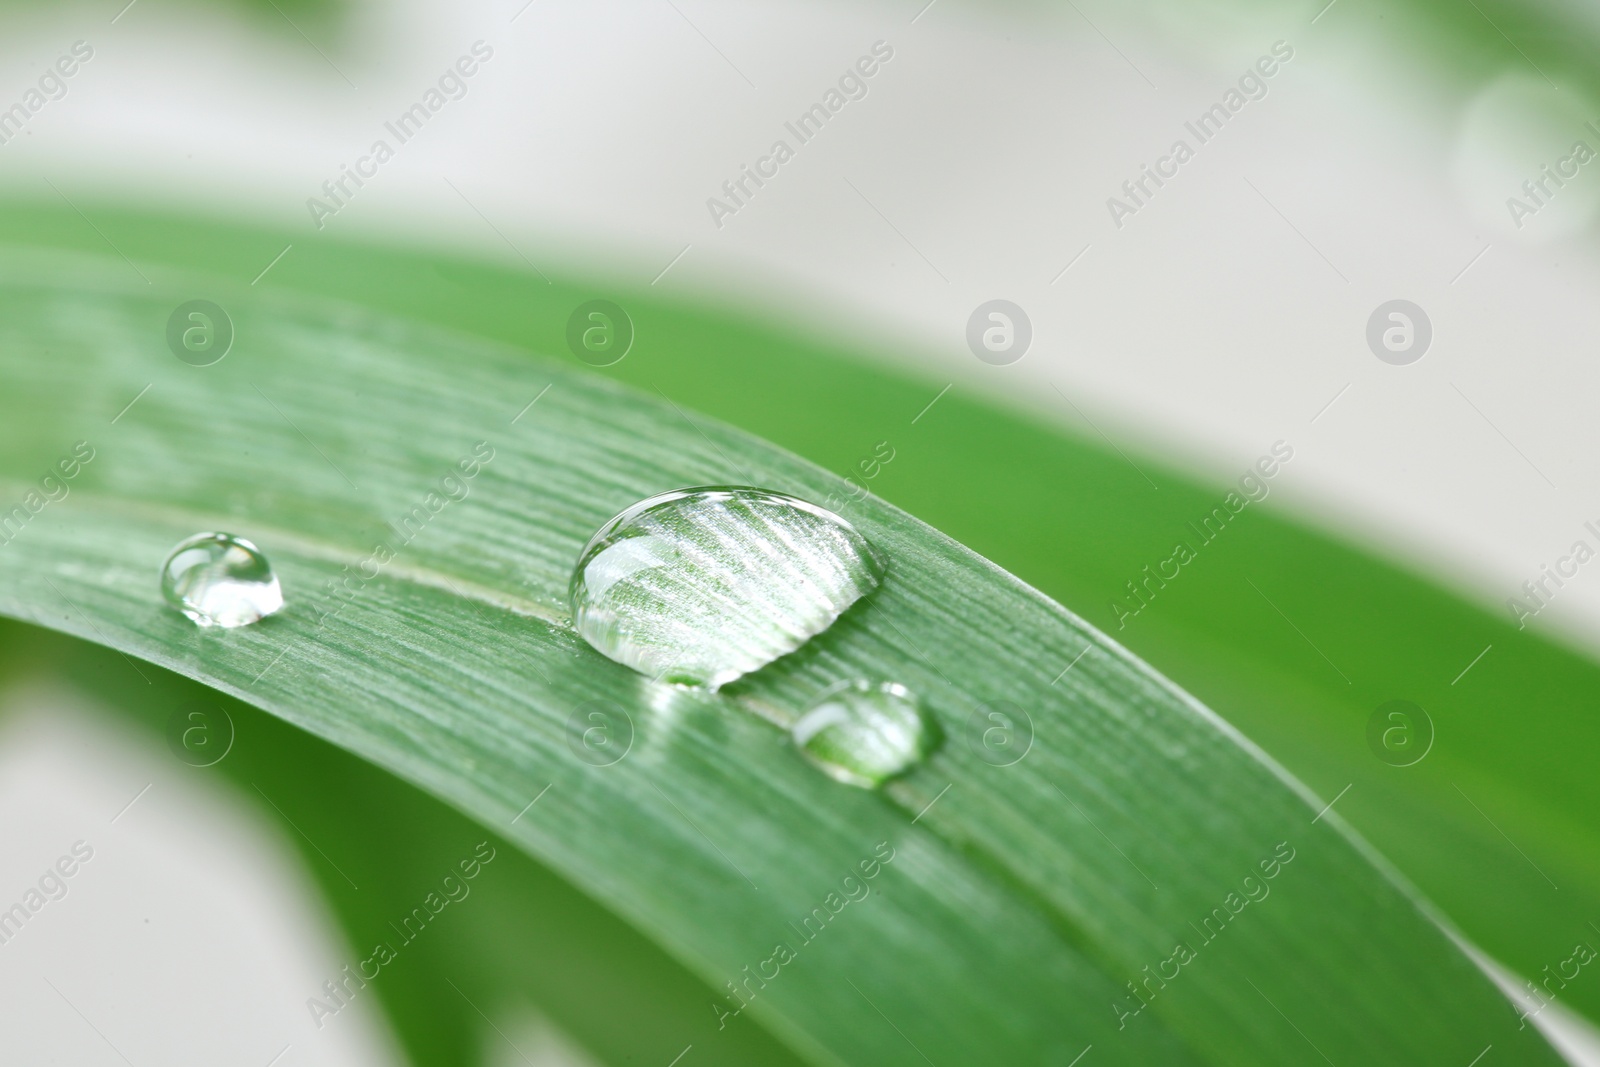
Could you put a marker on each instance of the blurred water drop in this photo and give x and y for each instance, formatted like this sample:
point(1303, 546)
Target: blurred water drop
point(863, 734)
point(699, 586)
point(217, 579)
point(1525, 159)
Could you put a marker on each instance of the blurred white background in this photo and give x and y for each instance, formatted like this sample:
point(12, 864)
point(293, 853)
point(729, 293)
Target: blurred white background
point(1230, 310)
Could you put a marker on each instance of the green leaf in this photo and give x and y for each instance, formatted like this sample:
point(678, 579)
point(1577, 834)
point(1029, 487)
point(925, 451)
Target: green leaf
point(1020, 900)
point(523, 939)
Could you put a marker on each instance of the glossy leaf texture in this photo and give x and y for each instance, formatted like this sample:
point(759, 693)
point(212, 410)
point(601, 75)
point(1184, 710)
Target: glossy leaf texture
point(1017, 913)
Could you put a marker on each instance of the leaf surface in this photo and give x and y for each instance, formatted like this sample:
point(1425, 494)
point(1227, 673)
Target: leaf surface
point(1029, 910)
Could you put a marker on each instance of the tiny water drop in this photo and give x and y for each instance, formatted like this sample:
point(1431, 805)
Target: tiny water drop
point(218, 579)
point(863, 734)
point(699, 586)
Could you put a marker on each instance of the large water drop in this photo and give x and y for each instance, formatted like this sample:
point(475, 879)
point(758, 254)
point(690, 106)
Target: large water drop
point(699, 586)
point(217, 579)
point(864, 734)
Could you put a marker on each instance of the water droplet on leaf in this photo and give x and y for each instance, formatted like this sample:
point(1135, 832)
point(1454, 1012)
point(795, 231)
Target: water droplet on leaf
point(863, 734)
point(217, 579)
point(699, 586)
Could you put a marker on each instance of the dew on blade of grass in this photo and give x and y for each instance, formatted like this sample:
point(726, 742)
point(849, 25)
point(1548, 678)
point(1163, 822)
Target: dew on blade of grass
point(863, 734)
point(699, 586)
point(218, 579)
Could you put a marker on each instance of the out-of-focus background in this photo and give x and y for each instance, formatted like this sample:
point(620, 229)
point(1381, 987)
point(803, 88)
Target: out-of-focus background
point(1374, 250)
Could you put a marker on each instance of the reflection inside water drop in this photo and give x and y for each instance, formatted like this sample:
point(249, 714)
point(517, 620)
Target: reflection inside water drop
point(864, 734)
point(218, 579)
point(699, 586)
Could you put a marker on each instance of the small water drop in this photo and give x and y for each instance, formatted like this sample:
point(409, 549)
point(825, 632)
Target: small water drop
point(217, 579)
point(863, 734)
point(699, 586)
